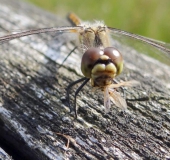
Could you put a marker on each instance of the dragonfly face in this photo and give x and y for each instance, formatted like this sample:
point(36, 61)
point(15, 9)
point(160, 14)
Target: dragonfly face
point(100, 62)
point(101, 66)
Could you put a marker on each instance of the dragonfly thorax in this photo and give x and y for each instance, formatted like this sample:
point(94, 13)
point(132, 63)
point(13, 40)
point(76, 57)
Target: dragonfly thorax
point(94, 36)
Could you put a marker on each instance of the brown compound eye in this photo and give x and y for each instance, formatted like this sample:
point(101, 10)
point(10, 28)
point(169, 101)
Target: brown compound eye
point(88, 60)
point(116, 58)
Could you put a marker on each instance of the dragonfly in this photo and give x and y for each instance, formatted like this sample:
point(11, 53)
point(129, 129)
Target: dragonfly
point(101, 62)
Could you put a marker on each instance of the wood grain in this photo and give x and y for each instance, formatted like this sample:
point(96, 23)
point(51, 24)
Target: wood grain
point(33, 108)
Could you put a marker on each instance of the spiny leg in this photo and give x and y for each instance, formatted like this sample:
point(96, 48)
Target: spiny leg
point(122, 88)
point(70, 86)
point(76, 93)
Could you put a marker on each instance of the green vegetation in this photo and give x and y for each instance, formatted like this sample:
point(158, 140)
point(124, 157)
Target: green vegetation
point(148, 18)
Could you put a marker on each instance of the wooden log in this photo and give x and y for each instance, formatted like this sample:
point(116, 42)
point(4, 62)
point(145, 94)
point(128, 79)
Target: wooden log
point(4, 155)
point(34, 114)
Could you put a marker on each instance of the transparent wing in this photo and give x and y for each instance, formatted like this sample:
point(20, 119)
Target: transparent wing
point(106, 99)
point(38, 31)
point(157, 49)
point(131, 83)
point(54, 43)
point(117, 99)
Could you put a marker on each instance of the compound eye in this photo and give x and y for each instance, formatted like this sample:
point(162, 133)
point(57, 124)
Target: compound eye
point(88, 60)
point(116, 58)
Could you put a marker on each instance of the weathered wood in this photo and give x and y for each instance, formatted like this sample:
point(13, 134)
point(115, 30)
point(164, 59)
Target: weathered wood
point(4, 155)
point(33, 108)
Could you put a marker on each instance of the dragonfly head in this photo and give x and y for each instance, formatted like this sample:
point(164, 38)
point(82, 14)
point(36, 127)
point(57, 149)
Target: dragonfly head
point(101, 66)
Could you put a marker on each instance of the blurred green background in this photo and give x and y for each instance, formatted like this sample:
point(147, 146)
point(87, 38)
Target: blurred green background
point(149, 18)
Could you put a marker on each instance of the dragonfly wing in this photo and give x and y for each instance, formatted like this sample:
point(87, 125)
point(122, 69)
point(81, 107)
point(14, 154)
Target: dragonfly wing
point(54, 43)
point(157, 49)
point(117, 99)
point(106, 99)
point(39, 31)
point(131, 83)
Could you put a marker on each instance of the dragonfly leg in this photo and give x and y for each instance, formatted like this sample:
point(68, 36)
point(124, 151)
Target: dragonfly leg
point(70, 86)
point(76, 93)
point(67, 56)
point(122, 88)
